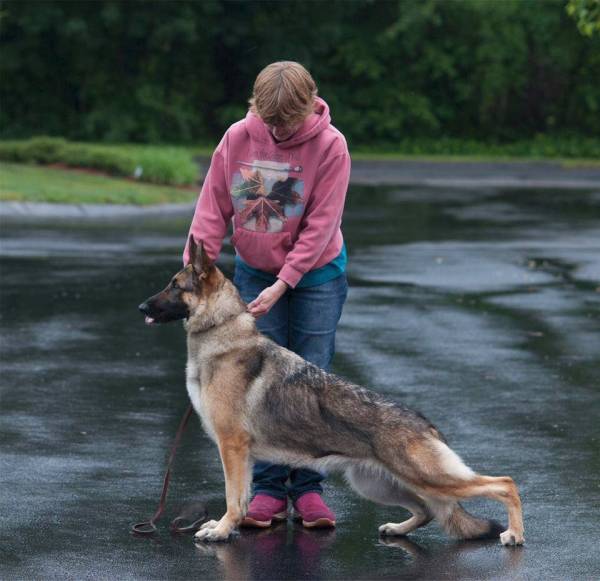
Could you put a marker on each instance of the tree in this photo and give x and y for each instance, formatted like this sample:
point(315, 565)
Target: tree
point(587, 15)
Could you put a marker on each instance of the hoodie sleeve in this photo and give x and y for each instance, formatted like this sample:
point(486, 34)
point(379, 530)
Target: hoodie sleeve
point(213, 208)
point(321, 220)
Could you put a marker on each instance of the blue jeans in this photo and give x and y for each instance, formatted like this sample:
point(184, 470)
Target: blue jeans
point(304, 320)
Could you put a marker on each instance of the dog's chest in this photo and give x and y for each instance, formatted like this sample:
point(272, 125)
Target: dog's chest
point(198, 396)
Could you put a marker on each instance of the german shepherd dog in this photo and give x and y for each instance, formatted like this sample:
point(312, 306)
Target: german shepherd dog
point(260, 401)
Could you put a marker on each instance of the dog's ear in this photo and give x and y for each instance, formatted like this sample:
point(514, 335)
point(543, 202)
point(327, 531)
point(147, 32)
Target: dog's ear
point(193, 250)
point(198, 257)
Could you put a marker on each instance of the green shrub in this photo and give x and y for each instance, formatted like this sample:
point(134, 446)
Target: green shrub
point(46, 149)
point(101, 158)
point(166, 166)
point(160, 165)
point(36, 150)
point(11, 151)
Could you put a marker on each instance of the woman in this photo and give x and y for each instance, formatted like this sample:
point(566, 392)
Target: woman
point(282, 174)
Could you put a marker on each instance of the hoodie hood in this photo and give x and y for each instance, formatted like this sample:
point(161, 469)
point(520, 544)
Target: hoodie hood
point(313, 125)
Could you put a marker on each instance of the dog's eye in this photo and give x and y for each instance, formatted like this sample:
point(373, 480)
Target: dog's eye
point(174, 284)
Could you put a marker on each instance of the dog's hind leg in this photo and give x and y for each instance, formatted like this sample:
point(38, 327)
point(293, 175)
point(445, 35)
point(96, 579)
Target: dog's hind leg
point(380, 487)
point(501, 488)
point(440, 477)
point(443, 502)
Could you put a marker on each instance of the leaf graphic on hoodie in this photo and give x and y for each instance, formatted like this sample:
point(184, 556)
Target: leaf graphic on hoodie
point(262, 208)
point(284, 193)
point(260, 204)
point(253, 184)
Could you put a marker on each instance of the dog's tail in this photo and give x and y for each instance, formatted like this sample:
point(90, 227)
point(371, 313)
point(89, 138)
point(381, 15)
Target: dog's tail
point(460, 524)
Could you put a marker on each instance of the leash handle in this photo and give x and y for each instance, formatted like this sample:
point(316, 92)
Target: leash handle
point(148, 527)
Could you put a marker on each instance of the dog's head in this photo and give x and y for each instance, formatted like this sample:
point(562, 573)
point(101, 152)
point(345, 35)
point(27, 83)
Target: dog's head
point(188, 291)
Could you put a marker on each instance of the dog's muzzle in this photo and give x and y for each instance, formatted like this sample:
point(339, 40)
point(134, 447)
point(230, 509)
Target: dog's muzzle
point(145, 309)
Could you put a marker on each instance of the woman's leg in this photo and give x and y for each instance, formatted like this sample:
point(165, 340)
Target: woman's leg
point(267, 478)
point(314, 313)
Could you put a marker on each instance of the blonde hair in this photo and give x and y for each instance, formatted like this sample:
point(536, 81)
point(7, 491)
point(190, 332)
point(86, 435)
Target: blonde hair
point(284, 94)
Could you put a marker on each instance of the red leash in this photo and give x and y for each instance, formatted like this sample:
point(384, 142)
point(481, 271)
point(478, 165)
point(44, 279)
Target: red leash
point(149, 527)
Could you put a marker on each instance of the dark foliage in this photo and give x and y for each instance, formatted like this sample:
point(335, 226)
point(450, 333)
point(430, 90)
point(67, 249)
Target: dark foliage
point(155, 71)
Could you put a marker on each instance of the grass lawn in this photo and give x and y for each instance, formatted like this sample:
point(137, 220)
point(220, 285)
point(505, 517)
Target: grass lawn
point(26, 183)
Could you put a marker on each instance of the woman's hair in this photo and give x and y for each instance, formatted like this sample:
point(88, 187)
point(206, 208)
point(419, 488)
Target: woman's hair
point(284, 94)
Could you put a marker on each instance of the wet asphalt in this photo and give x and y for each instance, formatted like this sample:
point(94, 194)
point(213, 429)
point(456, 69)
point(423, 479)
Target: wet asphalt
point(480, 307)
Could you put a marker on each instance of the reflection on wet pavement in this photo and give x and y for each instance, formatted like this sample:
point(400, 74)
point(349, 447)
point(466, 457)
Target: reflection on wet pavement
point(479, 308)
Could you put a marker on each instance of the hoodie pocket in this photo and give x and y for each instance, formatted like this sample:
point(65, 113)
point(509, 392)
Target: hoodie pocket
point(263, 250)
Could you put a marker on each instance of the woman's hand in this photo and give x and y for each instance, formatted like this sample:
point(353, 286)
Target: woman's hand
point(263, 303)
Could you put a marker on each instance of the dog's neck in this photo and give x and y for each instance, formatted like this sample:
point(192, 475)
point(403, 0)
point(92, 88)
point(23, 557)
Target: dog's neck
point(221, 308)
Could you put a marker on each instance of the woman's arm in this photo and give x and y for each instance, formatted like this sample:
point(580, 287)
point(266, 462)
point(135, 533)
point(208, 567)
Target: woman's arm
point(213, 209)
point(321, 219)
point(264, 302)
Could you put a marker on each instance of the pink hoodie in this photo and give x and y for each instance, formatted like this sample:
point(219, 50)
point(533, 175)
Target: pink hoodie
point(286, 198)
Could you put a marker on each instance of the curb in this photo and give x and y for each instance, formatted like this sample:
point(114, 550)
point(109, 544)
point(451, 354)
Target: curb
point(90, 211)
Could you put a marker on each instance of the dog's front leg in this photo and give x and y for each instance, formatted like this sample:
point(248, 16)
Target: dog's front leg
point(234, 450)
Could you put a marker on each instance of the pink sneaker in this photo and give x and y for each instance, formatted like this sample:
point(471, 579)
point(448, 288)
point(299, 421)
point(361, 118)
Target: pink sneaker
point(313, 512)
point(263, 510)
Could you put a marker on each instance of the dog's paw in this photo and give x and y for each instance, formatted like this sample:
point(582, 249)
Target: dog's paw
point(214, 534)
point(391, 529)
point(511, 538)
point(210, 524)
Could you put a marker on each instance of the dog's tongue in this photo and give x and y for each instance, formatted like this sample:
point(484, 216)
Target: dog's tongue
point(149, 320)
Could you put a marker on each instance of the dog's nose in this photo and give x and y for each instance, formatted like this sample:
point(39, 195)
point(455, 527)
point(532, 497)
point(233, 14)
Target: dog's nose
point(144, 308)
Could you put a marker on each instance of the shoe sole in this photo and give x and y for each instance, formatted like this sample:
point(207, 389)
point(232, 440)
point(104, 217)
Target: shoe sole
point(263, 524)
point(320, 523)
